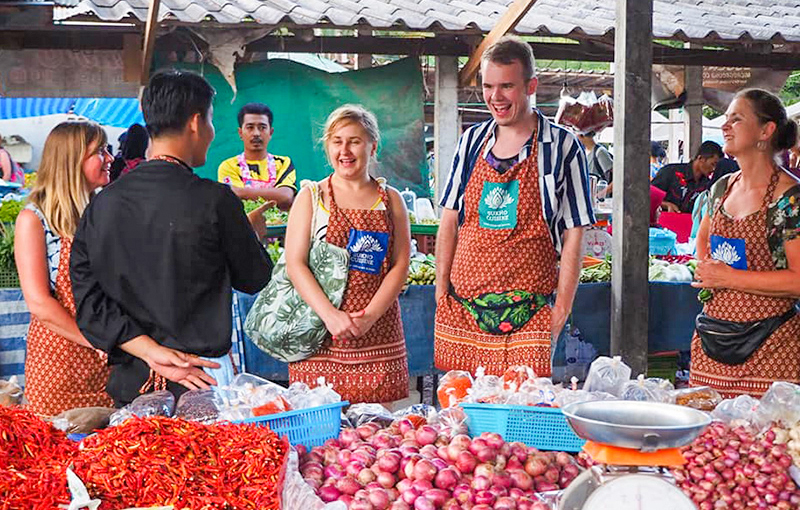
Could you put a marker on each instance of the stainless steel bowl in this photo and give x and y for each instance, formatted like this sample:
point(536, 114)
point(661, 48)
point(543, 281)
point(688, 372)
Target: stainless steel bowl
point(645, 426)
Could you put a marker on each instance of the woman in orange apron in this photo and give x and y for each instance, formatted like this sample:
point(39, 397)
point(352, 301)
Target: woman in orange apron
point(62, 370)
point(748, 335)
point(365, 357)
point(504, 273)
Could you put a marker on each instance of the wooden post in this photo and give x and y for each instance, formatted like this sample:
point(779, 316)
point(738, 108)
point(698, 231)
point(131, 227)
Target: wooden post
point(446, 127)
point(506, 23)
point(633, 59)
point(693, 108)
point(364, 60)
point(149, 40)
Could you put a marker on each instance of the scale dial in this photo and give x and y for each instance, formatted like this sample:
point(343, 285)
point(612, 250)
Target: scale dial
point(638, 492)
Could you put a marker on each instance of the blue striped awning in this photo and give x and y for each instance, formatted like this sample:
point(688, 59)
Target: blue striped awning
point(108, 111)
point(18, 107)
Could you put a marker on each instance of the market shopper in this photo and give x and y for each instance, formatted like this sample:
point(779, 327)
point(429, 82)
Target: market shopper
point(10, 170)
point(132, 152)
point(156, 254)
point(600, 161)
point(516, 198)
point(255, 173)
point(684, 181)
point(365, 358)
point(750, 258)
point(62, 369)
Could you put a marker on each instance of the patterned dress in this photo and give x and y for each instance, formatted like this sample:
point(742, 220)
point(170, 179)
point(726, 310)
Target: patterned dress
point(60, 374)
point(764, 233)
point(498, 258)
point(373, 367)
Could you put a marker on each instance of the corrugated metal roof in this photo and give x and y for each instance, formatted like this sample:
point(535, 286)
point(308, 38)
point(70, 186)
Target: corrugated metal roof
point(695, 19)
point(109, 111)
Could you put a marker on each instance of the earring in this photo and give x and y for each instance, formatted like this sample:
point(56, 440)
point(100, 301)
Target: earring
point(761, 145)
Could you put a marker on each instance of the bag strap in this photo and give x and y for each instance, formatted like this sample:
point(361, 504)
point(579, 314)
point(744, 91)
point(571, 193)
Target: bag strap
point(315, 198)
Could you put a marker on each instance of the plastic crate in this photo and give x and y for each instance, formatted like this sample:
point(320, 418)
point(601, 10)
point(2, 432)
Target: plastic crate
point(9, 279)
point(545, 428)
point(308, 427)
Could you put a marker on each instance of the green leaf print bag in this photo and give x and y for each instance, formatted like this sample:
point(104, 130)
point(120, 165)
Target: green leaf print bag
point(280, 323)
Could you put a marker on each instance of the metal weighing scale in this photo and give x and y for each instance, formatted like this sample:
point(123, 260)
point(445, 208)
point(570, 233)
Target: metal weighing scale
point(635, 444)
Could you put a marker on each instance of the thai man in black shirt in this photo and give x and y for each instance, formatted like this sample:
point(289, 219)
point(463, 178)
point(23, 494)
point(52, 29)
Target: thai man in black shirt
point(156, 254)
point(683, 182)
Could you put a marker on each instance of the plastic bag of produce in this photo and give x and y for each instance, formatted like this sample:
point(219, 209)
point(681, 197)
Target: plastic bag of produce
point(83, 420)
point(321, 395)
point(516, 375)
point(453, 421)
point(299, 495)
point(608, 375)
point(702, 398)
point(534, 392)
point(198, 405)
point(647, 390)
point(587, 113)
point(567, 397)
point(156, 403)
point(781, 404)
point(10, 392)
point(359, 414)
point(453, 387)
point(742, 410)
point(486, 389)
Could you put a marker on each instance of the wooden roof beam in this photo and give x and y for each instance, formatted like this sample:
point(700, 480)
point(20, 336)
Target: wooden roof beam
point(149, 40)
point(507, 22)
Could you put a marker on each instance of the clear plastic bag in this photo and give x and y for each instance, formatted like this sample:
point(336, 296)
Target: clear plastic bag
point(742, 410)
point(607, 375)
point(298, 495)
point(10, 392)
point(647, 390)
point(534, 392)
point(781, 404)
point(321, 395)
point(453, 387)
point(486, 389)
point(198, 405)
point(156, 403)
point(83, 420)
point(424, 411)
point(567, 397)
point(359, 414)
point(587, 113)
point(453, 421)
point(516, 376)
point(701, 398)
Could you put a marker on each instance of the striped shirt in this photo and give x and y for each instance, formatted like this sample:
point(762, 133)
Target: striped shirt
point(563, 174)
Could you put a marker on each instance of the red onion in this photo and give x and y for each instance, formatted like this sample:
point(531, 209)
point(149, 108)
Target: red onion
point(521, 480)
point(484, 498)
point(328, 493)
point(514, 464)
point(348, 485)
point(447, 478)
point(441, 452)
point(426, 435)
point(400, 505)
point(493, 439)
point(366, 476)
point(404, 484)
point(486, 470)
point(334, 471)
point(481, 483)
point(546, 487)
point(367, 430)
point(451, 504)
point(387, 480)
point(437, 496)
point(354, 467)
point(466, 462)
point(379, 499)
point(423, 503)
point(482, 507)
point(411, 462)
point(346, 499)
point(535, 466)
point(487, 454)
point(333, 442)
point(478, 444)
point(383, 440)
point(360, 504)
point(462, 493)
point(312, 470)
point(409, 495)
point(389, 463)
point(438, 463)
point(409, 449)
point(563, 458)
point(347, 436)
point(526, 503)
point(421, 485)
point(364, 457)
point(424, 469)
point(429, 451)
point(404, 426)
point(505, 503)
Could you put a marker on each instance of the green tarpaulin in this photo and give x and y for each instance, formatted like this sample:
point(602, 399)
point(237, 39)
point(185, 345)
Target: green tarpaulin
point(301, 98)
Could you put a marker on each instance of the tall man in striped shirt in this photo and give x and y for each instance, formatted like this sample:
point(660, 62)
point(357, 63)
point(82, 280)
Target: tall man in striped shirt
point(515, 204)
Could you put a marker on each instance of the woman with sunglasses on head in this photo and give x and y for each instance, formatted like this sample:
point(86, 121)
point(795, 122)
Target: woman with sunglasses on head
point(62, 370)
point(748, 334)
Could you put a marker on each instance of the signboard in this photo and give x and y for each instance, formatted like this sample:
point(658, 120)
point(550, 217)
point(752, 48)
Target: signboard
point(596, 243)
point(64, 73)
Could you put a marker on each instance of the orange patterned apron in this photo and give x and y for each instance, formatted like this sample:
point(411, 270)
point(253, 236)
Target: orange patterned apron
point(59, 374)
point(521, 257)
point(373, 367)
point(778, 357)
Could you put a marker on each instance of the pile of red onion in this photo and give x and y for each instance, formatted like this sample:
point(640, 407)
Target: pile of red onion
point(732, 468)
point(402, 467)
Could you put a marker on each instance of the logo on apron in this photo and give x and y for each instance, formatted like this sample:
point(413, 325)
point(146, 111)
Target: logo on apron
point(498, 205)
point(367, 250)
point(729, 251)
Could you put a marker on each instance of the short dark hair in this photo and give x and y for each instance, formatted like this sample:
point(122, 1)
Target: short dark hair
point(769, 108)
point(172, 98)
point(708, 149)
point(254, 108)
point(136, 142)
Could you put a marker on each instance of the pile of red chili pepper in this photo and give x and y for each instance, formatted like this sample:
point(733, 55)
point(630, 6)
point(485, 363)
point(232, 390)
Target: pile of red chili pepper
point(33, 461)
point(166, 461)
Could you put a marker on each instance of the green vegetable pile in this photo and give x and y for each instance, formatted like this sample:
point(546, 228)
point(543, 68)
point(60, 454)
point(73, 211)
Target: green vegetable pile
point(10, 209)
point(659, 271)
point(597, 273)
point(273, 215)
point(422, 270)
point(7, 262)
point(274, 250)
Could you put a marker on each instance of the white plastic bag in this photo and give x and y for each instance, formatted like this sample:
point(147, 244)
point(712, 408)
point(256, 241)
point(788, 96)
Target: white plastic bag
point(298, 495)
point(608, 375)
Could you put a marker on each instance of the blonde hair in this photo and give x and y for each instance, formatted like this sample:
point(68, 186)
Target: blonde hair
point(61, 191)
point(351, 113)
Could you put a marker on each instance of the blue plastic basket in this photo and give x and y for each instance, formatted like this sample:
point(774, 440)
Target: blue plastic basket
point(545, 428)
point(308, 427)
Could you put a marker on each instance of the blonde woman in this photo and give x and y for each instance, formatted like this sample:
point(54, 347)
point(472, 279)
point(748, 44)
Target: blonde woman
point(62, 370)
point(365, 358)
